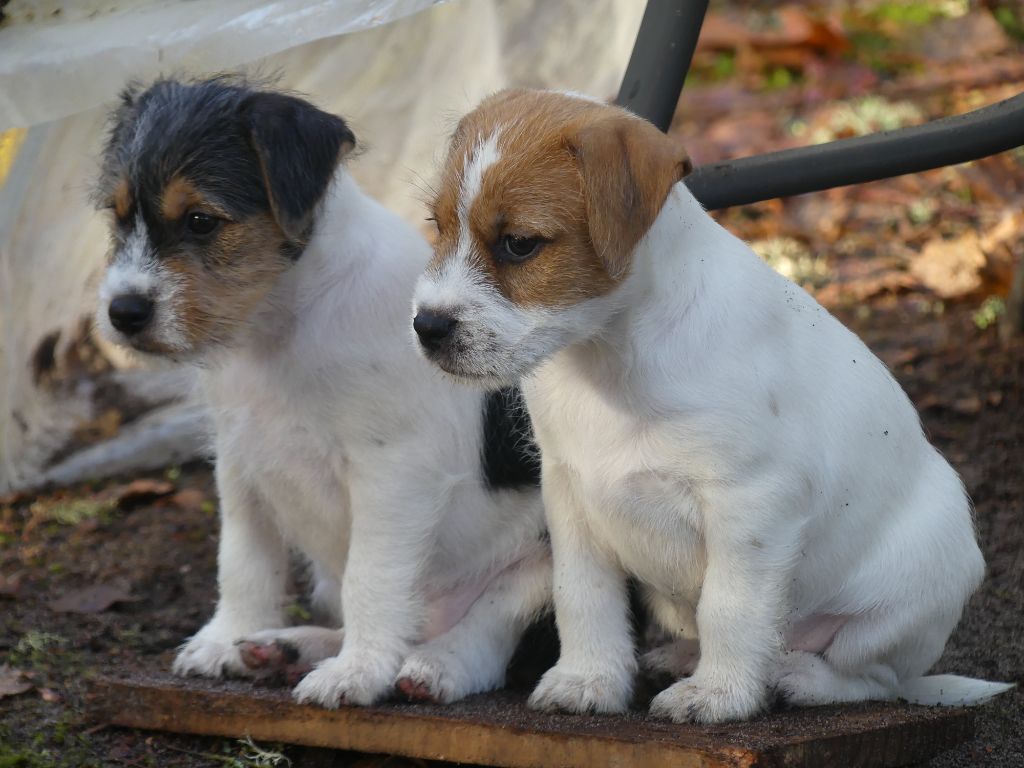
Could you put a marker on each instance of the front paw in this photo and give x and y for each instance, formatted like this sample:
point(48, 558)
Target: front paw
point(359, 679)
point(427, 677)
point(203, 656)
point(696, 701)
point(568, 690)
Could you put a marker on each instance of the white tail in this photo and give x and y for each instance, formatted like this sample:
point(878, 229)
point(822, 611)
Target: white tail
point(950, 690)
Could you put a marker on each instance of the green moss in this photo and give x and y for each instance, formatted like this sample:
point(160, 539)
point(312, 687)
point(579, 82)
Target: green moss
point(989, 312)
point(916, 14)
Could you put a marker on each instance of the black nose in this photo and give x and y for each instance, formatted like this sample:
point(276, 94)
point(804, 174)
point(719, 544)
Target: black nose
point(130, 313)
point(433, 328)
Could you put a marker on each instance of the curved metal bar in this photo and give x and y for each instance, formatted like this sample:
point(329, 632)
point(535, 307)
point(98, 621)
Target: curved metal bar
point(947, 141)
point(661, 58)
point(654, 79)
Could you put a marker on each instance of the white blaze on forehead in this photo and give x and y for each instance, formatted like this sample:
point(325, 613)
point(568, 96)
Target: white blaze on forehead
point(483, 156)
point(456, 283)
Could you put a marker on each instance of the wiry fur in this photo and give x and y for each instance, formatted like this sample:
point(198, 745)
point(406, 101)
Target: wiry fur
point(709, 429)
point(333, 438)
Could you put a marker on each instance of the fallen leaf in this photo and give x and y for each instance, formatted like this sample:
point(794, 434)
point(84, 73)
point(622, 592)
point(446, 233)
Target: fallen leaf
point(49, 695)
point(968, 406)
point(12, 681)
point(789, 26)
point(94, 599)
point(141, 491)
point(189, 499)
point(951, 268)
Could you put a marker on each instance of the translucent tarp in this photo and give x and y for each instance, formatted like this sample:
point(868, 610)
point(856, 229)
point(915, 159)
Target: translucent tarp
point(401, 86)
point(62, 57)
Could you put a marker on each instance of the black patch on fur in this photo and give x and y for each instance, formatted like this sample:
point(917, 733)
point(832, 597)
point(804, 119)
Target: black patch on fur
point(509, 454)
point(248, 150)
point(44, 359)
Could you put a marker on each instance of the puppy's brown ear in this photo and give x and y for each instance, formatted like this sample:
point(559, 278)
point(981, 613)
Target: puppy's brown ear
point(628, 168)
point(299, 148)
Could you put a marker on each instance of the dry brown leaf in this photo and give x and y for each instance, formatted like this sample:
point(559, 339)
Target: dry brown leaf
point(951, 268)
point(141, 491)
point(12, 681)
point(788, 26)
point(49, 695)
point(967, 406)
point(1007, 228)
point(94, 599)
point(189, 499)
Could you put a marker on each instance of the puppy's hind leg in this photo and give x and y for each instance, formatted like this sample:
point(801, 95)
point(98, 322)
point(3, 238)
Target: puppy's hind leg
point(325, 594)
point(880, 657)
point(291, 651)
point(675, 625)
point(866, 659)
point(473, 655)
point(806, 679)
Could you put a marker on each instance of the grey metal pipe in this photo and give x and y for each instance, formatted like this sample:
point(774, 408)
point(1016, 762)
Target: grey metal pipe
point(654, 79)
point(661, 58)
point(947, 141)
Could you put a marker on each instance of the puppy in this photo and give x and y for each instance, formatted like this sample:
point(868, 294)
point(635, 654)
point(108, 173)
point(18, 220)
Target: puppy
point(240, 246)
point(704, 424)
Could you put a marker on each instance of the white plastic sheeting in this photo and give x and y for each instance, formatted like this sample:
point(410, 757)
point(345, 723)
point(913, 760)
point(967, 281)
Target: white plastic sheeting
point(62, 57)
point(401, 86)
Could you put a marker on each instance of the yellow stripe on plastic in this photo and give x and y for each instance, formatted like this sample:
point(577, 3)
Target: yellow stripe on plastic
point(10, 141)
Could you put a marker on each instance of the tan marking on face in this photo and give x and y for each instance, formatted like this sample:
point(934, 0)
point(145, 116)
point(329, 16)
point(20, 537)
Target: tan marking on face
point(122, 199)
point(223, 281)
point(587, 177)
point(180, 196)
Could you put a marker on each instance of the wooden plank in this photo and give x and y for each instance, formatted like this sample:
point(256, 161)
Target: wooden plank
point(498, 730)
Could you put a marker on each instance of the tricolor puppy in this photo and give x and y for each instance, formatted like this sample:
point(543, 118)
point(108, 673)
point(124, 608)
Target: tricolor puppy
point(240, 245)
point(705, 426)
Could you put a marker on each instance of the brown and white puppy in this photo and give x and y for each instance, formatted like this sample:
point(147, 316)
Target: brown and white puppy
point(705, 427)
point(583, 184)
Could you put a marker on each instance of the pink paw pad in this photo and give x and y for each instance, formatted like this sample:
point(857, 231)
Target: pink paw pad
point(262, 655)
point(415, 690)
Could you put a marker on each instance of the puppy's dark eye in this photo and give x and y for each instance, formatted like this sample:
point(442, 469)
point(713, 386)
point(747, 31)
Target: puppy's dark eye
point(515, 248)
point(201, 224)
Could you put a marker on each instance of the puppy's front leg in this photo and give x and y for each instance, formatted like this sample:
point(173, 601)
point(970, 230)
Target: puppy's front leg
point(252, 571)
point(382, 607)
point(741, 605)
point(597, 665)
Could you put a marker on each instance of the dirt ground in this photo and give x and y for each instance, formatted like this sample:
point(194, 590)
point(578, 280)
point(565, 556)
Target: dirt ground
point(113, 575)
point(158, 551)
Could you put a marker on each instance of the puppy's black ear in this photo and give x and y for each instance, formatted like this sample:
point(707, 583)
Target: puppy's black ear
point(299, 148)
